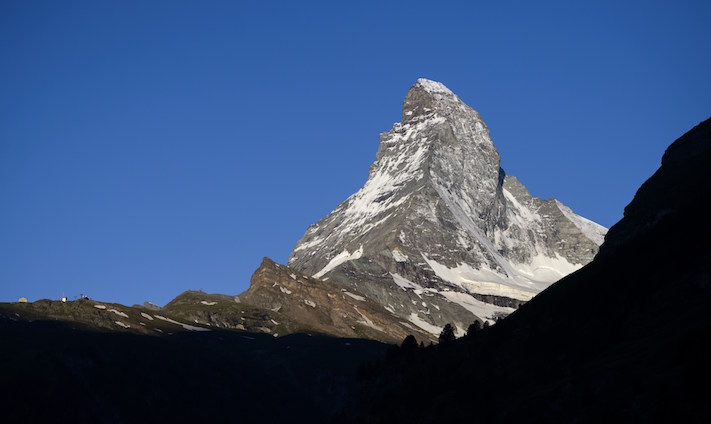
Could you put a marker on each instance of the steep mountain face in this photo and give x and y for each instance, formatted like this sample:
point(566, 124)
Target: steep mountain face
point(439, 233)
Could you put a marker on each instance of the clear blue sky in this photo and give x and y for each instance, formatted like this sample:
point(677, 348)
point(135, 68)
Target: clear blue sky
point(149, 147)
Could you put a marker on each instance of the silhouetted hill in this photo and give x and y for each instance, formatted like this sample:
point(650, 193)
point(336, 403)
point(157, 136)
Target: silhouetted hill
point(632, 347)
point(55, 373)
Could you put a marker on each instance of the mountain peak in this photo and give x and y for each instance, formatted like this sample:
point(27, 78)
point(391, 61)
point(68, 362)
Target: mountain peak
point(427, 98)
point(432, 86)
point(438, 218)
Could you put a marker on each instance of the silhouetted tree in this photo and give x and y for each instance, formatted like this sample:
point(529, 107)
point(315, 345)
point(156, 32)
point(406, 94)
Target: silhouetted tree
point(447, 334)
point(473, 328)
point(392, 353)
point(409, 344)
point(486, 324)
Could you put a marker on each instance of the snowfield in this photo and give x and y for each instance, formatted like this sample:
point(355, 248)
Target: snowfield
point(185, 326)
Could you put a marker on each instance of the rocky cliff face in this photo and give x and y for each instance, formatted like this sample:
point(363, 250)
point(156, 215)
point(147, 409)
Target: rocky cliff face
point(439, 233)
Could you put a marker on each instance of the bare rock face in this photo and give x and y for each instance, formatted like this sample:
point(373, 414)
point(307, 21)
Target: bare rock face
point(311, 305)
point(439, 233)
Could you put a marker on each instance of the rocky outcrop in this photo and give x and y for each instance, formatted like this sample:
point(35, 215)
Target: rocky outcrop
point(312, 305)
point(439, 223)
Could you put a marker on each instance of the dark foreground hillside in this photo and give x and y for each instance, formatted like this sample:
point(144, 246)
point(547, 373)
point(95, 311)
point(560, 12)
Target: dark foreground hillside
point(625, 339)
point(54, 373)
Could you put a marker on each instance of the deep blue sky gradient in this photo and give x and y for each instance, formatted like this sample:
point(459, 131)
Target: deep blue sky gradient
point(149, 147)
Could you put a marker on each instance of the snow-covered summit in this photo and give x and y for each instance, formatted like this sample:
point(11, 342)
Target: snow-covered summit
point(427, 99)
point(439, 233)
point(433, 86)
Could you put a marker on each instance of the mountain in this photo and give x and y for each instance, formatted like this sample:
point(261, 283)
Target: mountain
point(621, 340)
point(439, 233)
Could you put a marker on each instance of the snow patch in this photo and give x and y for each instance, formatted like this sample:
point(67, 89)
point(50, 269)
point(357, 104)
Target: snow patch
point(146, 316)
point(355, 296)
point(119, 313)
point(399, 256)
point(100, 306)
point(403, 282)
point(185, 326)
point(529, 278)
point(407, 325)
point(481, 309)
point(590, 229)
point(524, 215)
point(366, 321)
point(310, 303)
point(284, 290)
point(430, 328)
point(433, 86)
point(342, 257)
point(122, 324)
point(205, 302)
point(309, 244)
point(544, 270)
